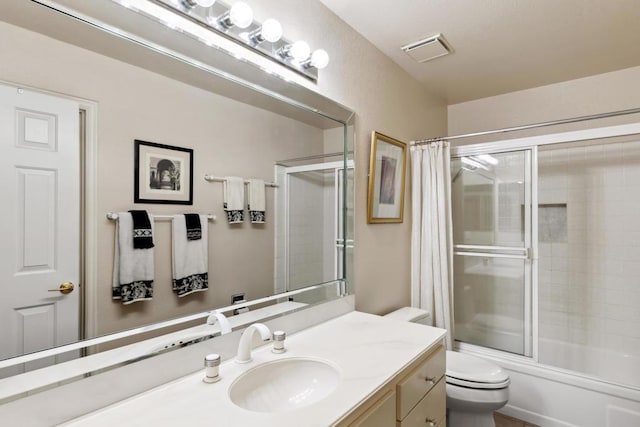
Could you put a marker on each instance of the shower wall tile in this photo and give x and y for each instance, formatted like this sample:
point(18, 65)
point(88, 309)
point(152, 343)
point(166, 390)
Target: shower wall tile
point(544, 249)
point(589, 287)
point(560, 250)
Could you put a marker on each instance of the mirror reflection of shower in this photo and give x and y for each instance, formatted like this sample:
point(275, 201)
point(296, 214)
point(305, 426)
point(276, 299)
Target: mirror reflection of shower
point(310, 234)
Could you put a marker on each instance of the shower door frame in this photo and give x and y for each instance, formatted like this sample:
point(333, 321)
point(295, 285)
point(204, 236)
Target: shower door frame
point(529, 250)
point(524, 143)
point(339, 168)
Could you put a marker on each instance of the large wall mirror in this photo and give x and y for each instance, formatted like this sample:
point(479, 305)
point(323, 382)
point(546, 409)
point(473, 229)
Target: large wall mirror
point(80, 82)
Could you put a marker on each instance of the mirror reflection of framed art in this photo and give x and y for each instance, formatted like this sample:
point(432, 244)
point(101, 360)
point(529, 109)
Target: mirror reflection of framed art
point(386, 179)
point(163, 174)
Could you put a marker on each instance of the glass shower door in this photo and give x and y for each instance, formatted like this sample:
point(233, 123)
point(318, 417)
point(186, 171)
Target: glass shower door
point(492, 234)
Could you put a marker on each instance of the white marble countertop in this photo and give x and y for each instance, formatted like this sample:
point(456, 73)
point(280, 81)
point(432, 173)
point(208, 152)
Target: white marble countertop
point(368, 351)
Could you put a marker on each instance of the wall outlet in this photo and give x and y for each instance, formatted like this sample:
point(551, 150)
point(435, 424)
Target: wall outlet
point(237, 298)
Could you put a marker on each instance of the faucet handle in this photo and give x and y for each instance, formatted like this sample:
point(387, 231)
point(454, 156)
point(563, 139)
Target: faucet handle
point(278, 338)
point(211, 368)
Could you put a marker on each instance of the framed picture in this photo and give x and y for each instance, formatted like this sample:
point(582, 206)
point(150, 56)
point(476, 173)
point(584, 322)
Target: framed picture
point(163, 174)
point(386, 179)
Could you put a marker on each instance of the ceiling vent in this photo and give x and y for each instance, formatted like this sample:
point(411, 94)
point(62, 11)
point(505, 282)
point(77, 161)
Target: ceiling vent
point(427, 49)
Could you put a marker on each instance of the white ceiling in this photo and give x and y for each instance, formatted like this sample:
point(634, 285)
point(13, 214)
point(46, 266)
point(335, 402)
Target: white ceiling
point(501, 46)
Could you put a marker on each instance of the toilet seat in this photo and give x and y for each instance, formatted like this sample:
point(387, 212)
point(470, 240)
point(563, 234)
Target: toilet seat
point(477, 385)
point(472, 372)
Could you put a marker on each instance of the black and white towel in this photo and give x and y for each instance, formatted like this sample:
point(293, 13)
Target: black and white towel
point(132, 268)
point(234, 199)
point(257, 205)
point(194, 226)
point(190, 257)
point(142, 231)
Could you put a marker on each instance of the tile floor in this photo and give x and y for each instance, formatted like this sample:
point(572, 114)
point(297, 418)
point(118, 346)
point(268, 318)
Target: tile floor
point(505, 421)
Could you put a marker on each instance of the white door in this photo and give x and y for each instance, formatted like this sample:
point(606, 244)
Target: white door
point(39, 230)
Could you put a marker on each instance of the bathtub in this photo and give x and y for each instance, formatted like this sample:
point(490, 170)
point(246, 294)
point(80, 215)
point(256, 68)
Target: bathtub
point(600, 363)
point(605, 394)
point(493, 331)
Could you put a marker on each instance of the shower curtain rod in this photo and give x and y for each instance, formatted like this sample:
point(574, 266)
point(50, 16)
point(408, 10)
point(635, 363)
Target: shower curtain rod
point(530, 126)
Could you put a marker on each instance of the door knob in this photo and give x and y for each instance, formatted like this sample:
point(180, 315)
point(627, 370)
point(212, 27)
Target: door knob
point(65, 288)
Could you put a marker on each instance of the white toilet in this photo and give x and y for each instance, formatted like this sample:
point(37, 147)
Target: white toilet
point(475, 387)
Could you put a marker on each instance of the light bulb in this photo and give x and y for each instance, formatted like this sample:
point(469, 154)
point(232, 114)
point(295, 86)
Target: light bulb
point(300, 51)
point(205, 3)
point(241, 14)
point(271, 30)
point(319, 59)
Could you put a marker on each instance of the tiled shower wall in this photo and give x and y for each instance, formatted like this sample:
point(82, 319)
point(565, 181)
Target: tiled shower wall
point(589, 266)
point(306, 220)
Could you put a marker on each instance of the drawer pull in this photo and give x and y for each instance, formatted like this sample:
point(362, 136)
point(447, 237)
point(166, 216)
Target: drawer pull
point(431, 422)
point(430, 380)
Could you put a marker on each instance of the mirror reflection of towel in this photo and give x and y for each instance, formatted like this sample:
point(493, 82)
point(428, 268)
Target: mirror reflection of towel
point(234, 199)
point(194, 226)
point(257, 205)
point(142, 232)
point(132, 268)
point(190, 257)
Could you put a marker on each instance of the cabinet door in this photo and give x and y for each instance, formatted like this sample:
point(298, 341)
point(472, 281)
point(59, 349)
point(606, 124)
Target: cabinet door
point(380, 414)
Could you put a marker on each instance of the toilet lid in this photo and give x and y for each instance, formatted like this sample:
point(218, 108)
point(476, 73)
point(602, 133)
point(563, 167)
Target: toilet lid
point(473, 372)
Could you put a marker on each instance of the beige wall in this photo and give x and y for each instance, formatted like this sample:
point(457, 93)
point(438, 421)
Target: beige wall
point(602, 93)
point(386, 99)
point(228, 138)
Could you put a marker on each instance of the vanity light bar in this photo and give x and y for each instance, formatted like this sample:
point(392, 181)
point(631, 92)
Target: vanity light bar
point(235, 23)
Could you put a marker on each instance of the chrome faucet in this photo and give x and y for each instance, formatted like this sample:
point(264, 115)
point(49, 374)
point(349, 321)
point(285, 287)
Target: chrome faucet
point(225, 326)
point(246, 341)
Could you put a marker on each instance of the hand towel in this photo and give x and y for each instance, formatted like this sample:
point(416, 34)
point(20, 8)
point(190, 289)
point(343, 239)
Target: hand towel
point(132, 268)
point(234, 199)
point(194, 226)
point(190, 258)
point(256, 201)
point(142, 233)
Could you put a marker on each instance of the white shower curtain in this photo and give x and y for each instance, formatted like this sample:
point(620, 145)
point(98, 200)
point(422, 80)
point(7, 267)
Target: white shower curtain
point(431, 234)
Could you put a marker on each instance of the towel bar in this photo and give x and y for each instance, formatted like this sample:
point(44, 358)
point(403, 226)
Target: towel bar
point(212, 178)
point(113, 216)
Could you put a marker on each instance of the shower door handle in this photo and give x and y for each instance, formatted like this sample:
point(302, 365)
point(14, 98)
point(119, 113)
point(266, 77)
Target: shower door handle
point(531, 254)
point(492, 255)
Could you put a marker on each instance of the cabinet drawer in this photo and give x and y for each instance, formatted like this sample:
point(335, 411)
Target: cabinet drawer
point(431, 409)
point(414, 387)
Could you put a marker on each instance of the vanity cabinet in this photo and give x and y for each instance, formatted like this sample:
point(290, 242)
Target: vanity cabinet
point(416, 397)
point(421, 395)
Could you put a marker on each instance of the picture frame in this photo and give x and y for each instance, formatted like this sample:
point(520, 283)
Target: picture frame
point(162, 173)
point(386, 179)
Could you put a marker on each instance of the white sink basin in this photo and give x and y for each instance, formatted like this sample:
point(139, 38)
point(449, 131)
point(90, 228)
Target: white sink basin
point(284, 385)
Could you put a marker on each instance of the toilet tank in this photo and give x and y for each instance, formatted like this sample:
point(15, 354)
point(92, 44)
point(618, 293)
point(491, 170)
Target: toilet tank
point(411, 314)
